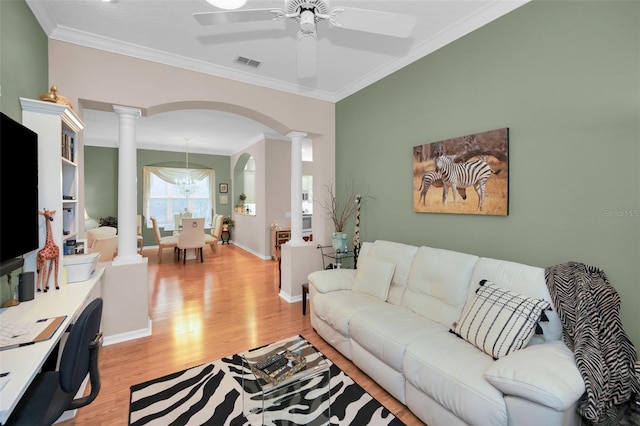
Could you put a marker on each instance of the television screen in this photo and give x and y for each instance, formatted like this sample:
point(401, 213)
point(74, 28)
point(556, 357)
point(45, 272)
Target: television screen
point(18, 189)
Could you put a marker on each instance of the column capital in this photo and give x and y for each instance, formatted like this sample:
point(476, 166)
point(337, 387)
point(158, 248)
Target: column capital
point(123, 110)
point(297, 135)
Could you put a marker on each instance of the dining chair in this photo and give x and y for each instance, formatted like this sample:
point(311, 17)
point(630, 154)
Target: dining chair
point(53, 392)
point(216, 231)
point(139, 231)
point(191, 237)
point(163, 242)
point(177, 219)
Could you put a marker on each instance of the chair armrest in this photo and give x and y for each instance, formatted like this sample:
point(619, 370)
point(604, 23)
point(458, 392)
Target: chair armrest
point(328, 280)
point(545, 373)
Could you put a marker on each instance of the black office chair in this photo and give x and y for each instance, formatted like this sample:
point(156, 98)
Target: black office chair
point(52, 392)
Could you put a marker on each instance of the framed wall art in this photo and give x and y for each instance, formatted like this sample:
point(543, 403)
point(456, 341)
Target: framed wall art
point(224, 188)
point(463, 175)
point(224, 199)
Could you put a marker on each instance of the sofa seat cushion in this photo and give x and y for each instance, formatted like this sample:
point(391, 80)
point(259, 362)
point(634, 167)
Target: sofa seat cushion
point(386, 332)
point(452, 372)
point(337, 308)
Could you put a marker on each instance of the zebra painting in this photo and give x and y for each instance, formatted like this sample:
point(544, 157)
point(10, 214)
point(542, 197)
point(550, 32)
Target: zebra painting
point(434, 178)
point(461, 175)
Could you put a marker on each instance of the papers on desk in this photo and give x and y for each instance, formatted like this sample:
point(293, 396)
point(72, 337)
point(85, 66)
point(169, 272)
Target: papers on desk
point(20, 334)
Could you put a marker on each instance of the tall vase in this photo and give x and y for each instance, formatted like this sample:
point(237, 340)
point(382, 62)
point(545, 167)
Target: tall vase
point(339, 242)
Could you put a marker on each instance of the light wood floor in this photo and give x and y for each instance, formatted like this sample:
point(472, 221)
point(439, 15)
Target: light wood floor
point(202, 312)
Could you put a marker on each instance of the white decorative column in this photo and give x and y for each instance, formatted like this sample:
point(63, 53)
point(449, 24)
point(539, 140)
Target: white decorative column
point(296, 188)
point(127, 187)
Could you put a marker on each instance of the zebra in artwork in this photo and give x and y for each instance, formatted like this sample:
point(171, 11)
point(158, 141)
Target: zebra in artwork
point(461, 175)
point(434, 178)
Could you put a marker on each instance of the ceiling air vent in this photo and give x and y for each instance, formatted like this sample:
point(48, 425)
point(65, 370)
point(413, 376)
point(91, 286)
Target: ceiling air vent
point(248, 62)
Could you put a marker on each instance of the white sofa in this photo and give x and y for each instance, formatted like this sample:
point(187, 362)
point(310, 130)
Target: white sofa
point(392, 317)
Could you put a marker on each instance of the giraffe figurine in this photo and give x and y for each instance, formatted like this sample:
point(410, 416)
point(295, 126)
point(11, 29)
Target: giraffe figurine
point(50, 252)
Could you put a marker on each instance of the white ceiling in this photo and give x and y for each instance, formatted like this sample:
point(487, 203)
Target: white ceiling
point(165, 31)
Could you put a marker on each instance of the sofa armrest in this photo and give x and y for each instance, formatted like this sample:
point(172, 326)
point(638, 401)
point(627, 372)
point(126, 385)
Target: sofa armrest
point(546, 374)
point(328, 280)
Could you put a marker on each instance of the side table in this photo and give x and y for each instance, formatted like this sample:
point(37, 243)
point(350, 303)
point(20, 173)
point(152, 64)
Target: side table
point(305, 291)
point(225, 235)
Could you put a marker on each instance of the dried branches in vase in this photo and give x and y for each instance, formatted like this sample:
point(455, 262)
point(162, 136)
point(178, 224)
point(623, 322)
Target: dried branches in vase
point(340, 210)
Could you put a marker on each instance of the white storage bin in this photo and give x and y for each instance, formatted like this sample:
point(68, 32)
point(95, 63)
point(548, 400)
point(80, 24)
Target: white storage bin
point(80, 267)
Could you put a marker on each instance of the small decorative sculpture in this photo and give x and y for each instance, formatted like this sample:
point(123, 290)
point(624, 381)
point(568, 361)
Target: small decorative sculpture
point(53, 96)
point(50, 252)
point(356, 231)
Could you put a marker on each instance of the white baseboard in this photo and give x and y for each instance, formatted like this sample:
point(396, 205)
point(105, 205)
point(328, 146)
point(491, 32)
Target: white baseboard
point(253, 252)
point(129, 335)
point(288, 298)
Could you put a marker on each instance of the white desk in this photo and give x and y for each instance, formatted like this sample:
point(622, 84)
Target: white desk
point(25, 362)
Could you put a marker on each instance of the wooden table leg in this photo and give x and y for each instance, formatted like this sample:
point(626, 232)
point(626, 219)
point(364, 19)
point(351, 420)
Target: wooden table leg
point(305, 291)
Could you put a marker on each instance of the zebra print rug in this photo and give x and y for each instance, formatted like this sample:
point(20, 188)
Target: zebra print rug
point(212, 394)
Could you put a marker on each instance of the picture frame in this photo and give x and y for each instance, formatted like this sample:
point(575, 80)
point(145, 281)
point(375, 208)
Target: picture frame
point(81, 246)
point(224, 199)
point(479, 167)
point(224, 188)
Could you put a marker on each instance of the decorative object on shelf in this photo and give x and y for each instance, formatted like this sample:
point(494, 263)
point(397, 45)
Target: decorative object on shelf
point(224, 188)
point(109, 221)
point(53, 96)
point(50, 252)
point(186, 185)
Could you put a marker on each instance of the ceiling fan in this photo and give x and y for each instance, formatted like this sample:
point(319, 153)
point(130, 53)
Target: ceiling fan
point(308, 13)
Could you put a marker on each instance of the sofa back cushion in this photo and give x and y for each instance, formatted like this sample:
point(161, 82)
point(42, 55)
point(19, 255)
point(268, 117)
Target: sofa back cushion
point(519, 278)
point(402, 256)
point(439, 284)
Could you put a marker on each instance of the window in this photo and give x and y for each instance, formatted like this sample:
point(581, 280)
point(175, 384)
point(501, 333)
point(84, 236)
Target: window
point(163, 198)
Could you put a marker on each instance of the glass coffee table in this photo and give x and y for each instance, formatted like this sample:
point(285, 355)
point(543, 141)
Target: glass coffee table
point(292, 385)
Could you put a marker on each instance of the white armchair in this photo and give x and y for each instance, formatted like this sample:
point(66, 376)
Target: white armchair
point(100, 232)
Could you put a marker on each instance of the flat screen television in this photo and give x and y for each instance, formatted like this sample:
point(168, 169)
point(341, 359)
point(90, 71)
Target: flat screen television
point(19, 233)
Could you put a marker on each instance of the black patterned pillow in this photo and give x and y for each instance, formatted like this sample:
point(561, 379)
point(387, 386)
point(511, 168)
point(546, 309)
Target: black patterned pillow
point(499, 321)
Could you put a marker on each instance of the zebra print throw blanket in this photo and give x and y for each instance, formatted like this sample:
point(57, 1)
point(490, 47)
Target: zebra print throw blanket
point(211, 394)
point(588, 307)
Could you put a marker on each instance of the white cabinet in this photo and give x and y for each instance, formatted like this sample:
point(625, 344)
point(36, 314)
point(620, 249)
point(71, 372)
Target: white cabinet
point(58, 128)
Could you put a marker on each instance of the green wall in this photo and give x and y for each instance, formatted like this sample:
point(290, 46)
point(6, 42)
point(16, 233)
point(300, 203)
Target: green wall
point(24, 59)
point(24, 68)
point(101, 178)
point(565, 78)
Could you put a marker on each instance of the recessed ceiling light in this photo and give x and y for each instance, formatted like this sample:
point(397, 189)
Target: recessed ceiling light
point(227, 4)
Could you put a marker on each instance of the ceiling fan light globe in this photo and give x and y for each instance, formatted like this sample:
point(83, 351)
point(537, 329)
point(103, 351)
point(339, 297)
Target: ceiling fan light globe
point(307, 21)
point(227, 4)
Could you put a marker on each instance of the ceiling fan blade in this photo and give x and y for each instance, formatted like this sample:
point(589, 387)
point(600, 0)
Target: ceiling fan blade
point(307, 59)
point(236, 16)
point(373, 21)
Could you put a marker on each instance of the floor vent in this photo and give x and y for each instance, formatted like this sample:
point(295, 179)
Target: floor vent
point(248, 62)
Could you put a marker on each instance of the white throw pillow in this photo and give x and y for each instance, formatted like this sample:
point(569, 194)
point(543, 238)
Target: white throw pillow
point(373, 277)
point(499, 321)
